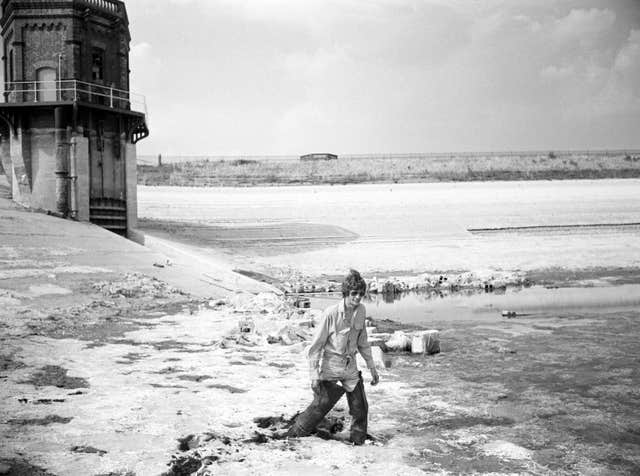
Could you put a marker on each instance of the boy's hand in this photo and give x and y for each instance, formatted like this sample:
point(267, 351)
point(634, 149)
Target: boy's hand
point(375, 378)
point(315, 385)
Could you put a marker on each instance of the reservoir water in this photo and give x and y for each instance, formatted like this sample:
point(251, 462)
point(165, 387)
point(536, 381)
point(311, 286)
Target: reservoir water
point(535, 301)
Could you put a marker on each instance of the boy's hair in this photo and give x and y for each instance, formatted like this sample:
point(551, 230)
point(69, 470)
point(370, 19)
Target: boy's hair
point(353, 282)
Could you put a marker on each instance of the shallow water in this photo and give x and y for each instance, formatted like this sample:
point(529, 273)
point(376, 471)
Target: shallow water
point(534, 301)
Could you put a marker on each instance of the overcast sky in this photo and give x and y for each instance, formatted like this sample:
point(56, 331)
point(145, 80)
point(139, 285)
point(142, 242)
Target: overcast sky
point(376, 76)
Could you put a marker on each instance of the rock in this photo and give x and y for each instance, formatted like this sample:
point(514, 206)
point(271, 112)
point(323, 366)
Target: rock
point(426, 342)
point(4, 468)
point(399, 341)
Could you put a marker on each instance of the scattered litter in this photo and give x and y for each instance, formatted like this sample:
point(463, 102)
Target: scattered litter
point(399, 341)
point(303, 303)
point(246, 325)
point(426, 342)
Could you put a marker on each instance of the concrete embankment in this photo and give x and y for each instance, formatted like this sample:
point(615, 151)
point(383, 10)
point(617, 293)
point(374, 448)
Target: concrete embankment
point(46, 248)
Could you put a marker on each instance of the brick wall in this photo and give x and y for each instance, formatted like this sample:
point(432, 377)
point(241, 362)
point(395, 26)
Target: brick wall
point(42, 45)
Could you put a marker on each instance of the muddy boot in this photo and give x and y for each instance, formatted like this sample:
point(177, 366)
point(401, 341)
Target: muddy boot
point(359, 411)
point(324, 398)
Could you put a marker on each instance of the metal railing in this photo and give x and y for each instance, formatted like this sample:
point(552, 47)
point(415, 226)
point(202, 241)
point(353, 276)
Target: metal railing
point(18, 92)
point(104, 4)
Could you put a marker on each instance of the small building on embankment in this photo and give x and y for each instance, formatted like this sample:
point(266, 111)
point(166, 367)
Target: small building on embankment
point(318, 156)
point(68, 122)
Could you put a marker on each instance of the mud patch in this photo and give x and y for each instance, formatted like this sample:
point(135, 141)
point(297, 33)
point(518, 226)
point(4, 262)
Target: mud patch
point(194, 378)
point(46, 421)
point(184, 465)
point(228, 388)
point(159, 385)
point(460, 422)
point(123, 472)
point(42, 401)
point(88, 450)
point(12, 467)
point(279, 365)
point(191, 442)
point(131, 358)
point(54, 376)
point(168, 370)
point(8, 363)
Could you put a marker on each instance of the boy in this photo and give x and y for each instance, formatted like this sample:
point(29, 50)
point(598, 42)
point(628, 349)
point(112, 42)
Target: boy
point(332, 361)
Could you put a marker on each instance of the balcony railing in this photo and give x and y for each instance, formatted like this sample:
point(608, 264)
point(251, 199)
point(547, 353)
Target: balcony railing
point(33, 92)
point(104, 4)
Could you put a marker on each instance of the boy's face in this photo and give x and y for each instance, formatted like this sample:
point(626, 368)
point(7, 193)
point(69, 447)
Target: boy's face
point(354, 297)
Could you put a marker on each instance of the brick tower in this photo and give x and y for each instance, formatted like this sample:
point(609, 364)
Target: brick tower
point(68, 122)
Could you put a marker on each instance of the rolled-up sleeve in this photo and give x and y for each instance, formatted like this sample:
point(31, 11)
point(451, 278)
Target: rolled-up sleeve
point(314, 353)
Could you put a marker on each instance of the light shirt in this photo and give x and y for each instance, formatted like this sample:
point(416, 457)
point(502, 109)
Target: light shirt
point(332, 354)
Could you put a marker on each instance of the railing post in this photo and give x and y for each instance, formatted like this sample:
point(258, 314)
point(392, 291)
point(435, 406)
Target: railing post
point(111, 96)
point(35, 91)
point(75, 89)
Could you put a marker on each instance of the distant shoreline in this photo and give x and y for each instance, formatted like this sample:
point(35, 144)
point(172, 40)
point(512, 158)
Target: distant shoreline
point(392, 169)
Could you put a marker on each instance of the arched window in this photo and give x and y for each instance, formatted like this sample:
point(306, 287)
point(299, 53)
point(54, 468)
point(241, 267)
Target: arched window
point(46, 81)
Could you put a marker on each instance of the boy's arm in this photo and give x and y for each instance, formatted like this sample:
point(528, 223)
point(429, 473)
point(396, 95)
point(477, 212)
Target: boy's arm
point(365, 351)
point(317, 345)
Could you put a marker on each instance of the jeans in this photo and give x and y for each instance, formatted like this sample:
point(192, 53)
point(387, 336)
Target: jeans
point(325, 397)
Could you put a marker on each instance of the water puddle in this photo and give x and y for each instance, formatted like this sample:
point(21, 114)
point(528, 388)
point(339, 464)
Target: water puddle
point(416, 307)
